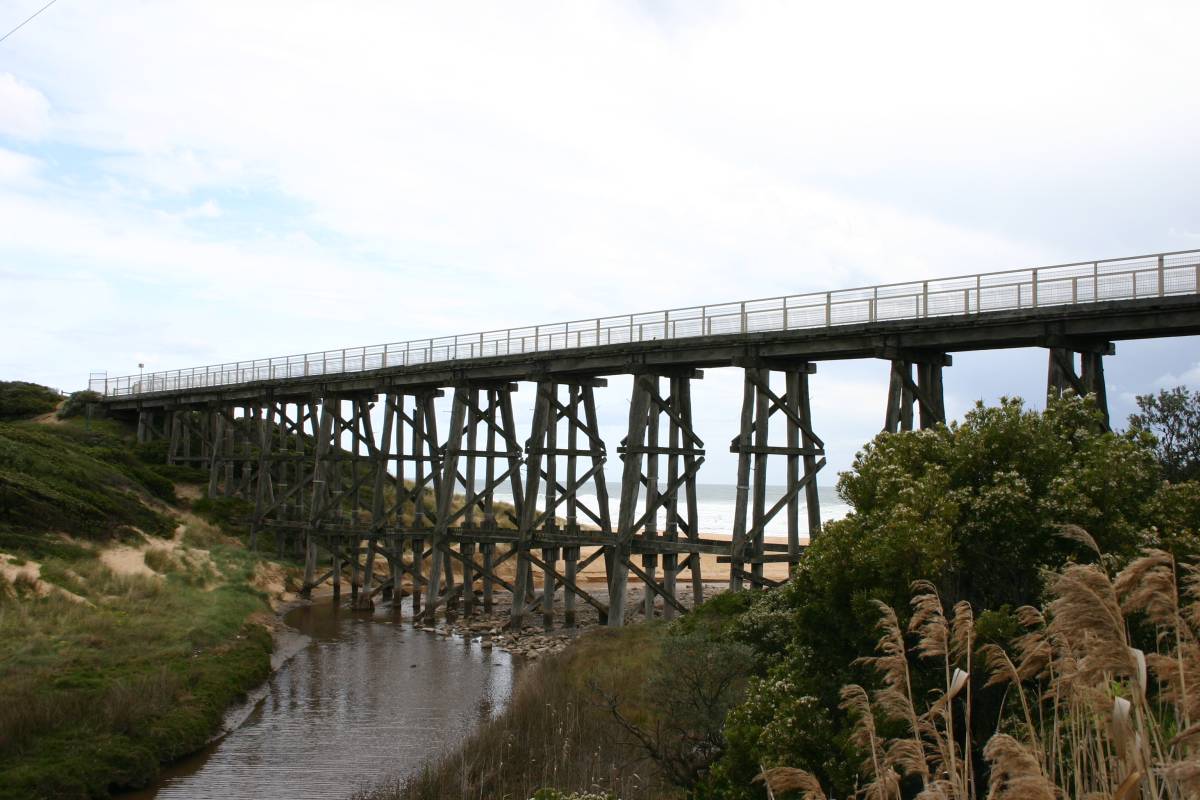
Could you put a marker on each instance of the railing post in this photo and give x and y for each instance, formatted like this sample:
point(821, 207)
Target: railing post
point(1074, 290)
point(785, 314)
point(1033, 290)
point(925, 299)
point(744, 321)
point(385, 354)
point(407, 352)
point(597, 330)
point(666, 324)
point(828, 309)
point(978, 295)
point(537, 334)
point(872, 304)
point(1095, 281)
point(1162, 278)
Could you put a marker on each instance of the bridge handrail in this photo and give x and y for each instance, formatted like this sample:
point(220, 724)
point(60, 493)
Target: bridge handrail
point(1127, 278)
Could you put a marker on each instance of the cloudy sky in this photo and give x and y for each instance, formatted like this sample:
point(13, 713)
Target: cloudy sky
point(191, 182)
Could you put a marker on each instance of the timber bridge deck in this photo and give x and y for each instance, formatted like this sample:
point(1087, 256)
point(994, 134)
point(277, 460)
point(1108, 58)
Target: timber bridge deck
point(339, 450)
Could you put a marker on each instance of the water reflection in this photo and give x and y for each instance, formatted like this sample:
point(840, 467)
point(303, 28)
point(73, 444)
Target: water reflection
point(365, 700)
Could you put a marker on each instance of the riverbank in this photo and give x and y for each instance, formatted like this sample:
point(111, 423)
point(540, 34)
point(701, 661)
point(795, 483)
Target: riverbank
point(128, 624)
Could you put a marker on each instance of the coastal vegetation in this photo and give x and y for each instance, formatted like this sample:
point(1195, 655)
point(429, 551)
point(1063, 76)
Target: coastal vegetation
point(128, 624)
point(990, 678)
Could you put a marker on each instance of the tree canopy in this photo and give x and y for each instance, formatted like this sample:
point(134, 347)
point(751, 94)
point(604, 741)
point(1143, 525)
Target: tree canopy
point(1173, 417)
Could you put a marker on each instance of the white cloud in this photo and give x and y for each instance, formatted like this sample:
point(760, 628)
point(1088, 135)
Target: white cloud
point(24, 111)
point(17, 167)
point(1190, 378)
point(252, 179)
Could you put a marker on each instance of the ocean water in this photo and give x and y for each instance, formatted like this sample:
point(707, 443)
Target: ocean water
point(715, 504)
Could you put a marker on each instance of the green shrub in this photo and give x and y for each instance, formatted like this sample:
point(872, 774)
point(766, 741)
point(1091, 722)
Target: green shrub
point(229, 513)
point(21, 400)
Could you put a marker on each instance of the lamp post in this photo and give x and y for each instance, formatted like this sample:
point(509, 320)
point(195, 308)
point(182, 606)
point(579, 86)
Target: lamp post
point(141, 367)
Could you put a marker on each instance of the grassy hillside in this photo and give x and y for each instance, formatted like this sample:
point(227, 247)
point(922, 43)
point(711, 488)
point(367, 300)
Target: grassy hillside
point(21, 400)
point(127, 624)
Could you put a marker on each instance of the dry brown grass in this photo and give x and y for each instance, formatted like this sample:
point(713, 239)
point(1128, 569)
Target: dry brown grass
point(1090, 715)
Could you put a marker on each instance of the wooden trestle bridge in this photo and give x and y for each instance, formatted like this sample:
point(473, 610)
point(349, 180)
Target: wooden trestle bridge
point(339, 451)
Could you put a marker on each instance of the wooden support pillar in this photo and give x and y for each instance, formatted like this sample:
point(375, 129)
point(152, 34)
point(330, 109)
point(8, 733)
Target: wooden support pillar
point(489, 563)
point(1088, 380)
point(264, 495)
point(418, 568)
point(550, 526)
point(533, 475)
point(691, 465)
point(642, 449)
point(571, 554)
point(602, 516)
point(321, 494)
point(336, 566)
point(216, 449)
point(743, 443)
point(227, 447)
point(380, 458)
point(804, 451)
point(440, 564)
point(143, 425)
point(355, 422)
point(175, 438)
point(1093, 383)
point(650, 530)
point(926, 392)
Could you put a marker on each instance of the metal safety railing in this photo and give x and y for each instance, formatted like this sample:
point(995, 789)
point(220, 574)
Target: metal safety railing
point(1137, 277)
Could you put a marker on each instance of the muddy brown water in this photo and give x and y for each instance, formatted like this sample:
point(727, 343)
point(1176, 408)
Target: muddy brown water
point(362, 699)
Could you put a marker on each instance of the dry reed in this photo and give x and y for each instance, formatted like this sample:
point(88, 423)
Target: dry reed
point(1090, 714)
